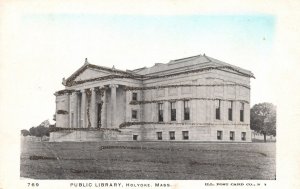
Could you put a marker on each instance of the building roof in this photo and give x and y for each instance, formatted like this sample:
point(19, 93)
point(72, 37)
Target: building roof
point(186, 64)
point(183, 65)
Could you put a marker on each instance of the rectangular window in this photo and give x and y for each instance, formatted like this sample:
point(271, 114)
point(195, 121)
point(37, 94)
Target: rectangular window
point(135, 137)
point(134, 114)
point(231, 136)
point(172, 135)
point(243, 135)
point(230, 111)
point(134, 96)
point(242, 112)
point(218, 111)
point(173, 111)
point(159, 135)
point(185, 135)
point(160, 112)
point(186, 110)
point(72, 120)
point(219, 135)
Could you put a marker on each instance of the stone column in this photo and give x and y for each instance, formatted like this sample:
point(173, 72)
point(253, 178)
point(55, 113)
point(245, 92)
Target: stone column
point(73, 109)
point(76, 110)
point(93, 112)
point(83, 109)
point(113, 96)
point(154, 117)
point(104, 110)
point(70, 110)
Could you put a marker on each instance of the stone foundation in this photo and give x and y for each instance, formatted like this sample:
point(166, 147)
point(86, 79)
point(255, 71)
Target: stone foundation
point(150, 133)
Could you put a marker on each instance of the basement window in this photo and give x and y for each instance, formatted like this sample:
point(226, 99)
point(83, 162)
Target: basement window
point(172, 135)
point(219, 135)
point(185, 135)
point(159, 135)
point(243, 135)
point(231, 135)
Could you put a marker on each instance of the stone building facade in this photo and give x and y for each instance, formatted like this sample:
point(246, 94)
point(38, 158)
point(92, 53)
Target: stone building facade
point(196, 98)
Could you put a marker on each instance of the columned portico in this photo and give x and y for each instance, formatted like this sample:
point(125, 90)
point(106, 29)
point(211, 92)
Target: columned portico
point(113, 88)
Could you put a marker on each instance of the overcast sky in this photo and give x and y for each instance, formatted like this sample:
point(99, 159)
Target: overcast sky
point(42, 47)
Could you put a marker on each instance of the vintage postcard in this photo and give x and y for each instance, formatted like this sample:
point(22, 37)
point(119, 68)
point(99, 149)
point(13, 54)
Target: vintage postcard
point(160, 94)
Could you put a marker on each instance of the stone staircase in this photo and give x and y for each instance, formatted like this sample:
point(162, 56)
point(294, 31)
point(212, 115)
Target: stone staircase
point(89, 136)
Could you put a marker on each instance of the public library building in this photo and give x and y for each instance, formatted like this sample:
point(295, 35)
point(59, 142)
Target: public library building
point(196, 98)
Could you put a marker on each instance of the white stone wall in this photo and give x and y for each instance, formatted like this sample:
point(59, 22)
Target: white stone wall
point(195, 133)
point(62, 103)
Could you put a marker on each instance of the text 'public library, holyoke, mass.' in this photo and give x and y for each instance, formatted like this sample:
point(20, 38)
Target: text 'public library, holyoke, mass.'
point(196, 98)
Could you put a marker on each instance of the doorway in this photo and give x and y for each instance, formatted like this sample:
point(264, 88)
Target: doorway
point(99, 107)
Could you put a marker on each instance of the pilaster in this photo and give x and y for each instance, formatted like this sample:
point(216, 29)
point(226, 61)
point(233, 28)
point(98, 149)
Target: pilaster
point(179, 111)
point(127, 106)
point(166, 112)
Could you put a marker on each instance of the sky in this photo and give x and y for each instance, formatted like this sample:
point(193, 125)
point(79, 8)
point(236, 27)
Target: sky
point(41, 47)
point(49, 47)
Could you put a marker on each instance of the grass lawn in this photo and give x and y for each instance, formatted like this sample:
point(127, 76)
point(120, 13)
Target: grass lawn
point(148, 160)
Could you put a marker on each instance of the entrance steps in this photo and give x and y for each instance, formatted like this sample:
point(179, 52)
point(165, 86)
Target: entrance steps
point(89, 135)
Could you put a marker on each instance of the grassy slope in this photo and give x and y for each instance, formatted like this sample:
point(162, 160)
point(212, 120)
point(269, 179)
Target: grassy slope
point(149, 160)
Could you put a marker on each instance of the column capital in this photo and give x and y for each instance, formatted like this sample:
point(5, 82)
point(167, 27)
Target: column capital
point(113, 86)
point(76, 92)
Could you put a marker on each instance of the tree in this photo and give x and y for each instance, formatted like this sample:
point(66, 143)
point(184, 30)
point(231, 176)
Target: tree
point(25, 132)
point(41, 130)
point(263, 119)
point(32, 131)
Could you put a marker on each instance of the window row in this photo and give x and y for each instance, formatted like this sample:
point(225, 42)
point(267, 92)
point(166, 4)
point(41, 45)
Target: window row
point(231, 135)
point(230, 114)
point(186, 110)
point(185, 135)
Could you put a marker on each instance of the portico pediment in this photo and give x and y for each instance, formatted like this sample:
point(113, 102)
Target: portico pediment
point(90, 73)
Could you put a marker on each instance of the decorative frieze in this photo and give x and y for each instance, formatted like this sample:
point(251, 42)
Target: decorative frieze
point(128, 124)
point(186, 85)
point(181, 99)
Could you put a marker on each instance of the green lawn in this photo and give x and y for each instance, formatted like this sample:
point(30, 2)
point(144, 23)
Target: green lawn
point(148, 160)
